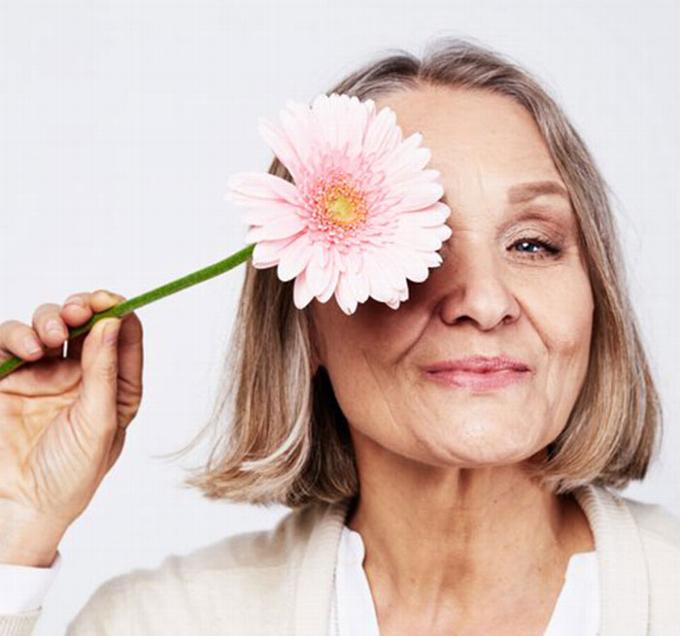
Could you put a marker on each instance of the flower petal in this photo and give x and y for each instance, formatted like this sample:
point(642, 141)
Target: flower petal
point(278, 228)
point(407, 159)
point(432, 216)
point(267, 253)
point(297, 126)
point(325, 295)
point(294, 258)
point(418, 238)
point(302, 295)
point(418, 195)
point(255, 188)
point(319, 270)
point(281, 146)
point(345, 295)
point(269, 213)
point(379, 285)
point(382, 134)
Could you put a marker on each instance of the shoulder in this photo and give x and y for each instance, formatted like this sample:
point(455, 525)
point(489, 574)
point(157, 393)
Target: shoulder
point(659, 531)
point(656, 523)
point(224, 578)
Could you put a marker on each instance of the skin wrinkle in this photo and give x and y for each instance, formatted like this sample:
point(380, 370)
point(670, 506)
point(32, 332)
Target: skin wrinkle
point(457, 539)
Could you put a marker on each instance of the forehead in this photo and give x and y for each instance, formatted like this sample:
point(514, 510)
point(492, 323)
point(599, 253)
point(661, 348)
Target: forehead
point(483, 143)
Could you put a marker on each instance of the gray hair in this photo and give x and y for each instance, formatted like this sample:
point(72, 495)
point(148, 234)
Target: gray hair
point(279, 433)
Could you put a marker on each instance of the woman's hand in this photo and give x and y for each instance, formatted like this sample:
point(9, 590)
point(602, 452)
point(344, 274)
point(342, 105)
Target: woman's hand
point(62, 420)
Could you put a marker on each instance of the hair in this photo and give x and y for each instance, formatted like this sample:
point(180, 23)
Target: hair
point(280, 435)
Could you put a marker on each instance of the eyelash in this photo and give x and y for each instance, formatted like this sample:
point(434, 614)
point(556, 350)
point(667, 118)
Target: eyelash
point(551, 249)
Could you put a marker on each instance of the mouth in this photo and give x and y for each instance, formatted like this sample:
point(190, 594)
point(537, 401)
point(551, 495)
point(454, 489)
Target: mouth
point(478, 380)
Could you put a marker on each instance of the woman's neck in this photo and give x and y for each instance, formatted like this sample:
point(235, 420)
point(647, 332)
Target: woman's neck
point(461, 537)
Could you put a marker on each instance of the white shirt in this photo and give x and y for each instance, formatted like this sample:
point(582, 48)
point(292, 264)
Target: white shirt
point(353, 612)
point(23, 588)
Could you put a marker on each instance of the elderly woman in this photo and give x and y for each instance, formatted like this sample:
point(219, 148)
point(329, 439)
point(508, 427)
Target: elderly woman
point(449, 465)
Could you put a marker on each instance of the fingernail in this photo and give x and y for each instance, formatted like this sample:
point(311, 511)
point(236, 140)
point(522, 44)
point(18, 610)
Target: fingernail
point(31, 345)
point(55, 327)
point(111, 332)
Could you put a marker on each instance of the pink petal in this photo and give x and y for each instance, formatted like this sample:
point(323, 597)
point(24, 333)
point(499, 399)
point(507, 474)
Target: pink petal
point(265, 215)
point(357, 119)
point(319, 271)
point(390, 263)
point(256, 188)
point(410, 237)
point(281, 146)
point(294, 258)
point(332, 283)
point(345, 295)
point(302, 295)
point(276, 229)
point(418, 195)
point(382, 134)
point(267, 253)
point(435, 215)
point(407, 158)
point(379, 285)
point(415, 267)
point(297, 126)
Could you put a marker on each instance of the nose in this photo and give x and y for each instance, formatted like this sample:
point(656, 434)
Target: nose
point(474, 286)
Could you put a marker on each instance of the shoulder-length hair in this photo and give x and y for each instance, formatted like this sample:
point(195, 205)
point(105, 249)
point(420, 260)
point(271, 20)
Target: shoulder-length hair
point(280, 436)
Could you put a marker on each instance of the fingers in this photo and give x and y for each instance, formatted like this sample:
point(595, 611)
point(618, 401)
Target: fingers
point(18, 339)
point(50, 328)
point(98, 400)
point(50, 322)
point(111, 374)
point(78, 309)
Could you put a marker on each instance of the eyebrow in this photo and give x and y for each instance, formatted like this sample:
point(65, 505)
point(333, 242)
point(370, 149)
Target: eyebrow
point(523, 192)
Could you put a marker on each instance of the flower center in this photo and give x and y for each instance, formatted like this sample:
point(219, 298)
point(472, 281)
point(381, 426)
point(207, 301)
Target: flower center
point(341, 209)
point(338, 205)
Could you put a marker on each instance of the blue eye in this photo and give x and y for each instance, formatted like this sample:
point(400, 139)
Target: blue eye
point(548, 248)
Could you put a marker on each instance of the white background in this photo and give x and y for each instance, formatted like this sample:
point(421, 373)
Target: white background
point(121, 121)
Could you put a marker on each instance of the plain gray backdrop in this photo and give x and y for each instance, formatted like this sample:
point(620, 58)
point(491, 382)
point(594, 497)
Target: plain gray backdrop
point(120, 122)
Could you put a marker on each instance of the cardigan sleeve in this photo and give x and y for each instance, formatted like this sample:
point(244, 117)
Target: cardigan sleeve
point(20, 624)
point(107, 611)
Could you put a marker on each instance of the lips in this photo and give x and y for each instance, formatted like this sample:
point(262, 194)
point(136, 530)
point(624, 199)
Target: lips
point(478, 364)
point(478, 373)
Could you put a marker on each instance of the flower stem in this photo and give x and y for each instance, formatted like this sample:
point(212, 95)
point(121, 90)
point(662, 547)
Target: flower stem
point(127, 306)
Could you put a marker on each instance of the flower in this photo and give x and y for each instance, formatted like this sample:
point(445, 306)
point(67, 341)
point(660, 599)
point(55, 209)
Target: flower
point(362, 214)
point(360, 218)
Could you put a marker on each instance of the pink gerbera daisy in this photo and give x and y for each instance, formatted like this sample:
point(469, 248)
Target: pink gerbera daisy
point(362, 214)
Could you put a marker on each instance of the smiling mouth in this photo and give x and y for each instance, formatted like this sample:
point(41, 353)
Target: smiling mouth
point(477, 380)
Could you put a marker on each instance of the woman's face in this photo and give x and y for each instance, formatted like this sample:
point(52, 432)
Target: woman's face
point(497, 292)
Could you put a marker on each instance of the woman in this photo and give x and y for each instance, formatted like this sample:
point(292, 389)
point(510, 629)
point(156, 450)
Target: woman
point(448, 464)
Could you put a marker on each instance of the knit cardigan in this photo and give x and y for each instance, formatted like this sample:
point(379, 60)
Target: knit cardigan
point(279, 581)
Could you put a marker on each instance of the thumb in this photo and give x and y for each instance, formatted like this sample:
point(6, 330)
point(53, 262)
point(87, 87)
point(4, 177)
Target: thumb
point(99, 359)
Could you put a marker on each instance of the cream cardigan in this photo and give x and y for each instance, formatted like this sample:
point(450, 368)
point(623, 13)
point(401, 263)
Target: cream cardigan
point(279, 581)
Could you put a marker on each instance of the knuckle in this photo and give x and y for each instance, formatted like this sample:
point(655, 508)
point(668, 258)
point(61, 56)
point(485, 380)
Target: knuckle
point(106, 292)
point(8, 326)
point(108, 371)
point(44, 312)
point(79, 298)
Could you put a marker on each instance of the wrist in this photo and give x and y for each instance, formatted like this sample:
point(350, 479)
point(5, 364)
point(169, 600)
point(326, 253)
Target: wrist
point(32, 543)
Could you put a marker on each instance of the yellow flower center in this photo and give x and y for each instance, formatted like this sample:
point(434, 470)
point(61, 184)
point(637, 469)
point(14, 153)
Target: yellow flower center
point(342, 205)
point(342, 210)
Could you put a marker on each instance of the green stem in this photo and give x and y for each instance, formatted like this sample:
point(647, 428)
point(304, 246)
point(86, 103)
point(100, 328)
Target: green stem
point(127, 306)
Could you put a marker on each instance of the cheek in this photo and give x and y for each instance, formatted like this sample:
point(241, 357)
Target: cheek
point(563, 318)
point(362, 356)
point(568, 315)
